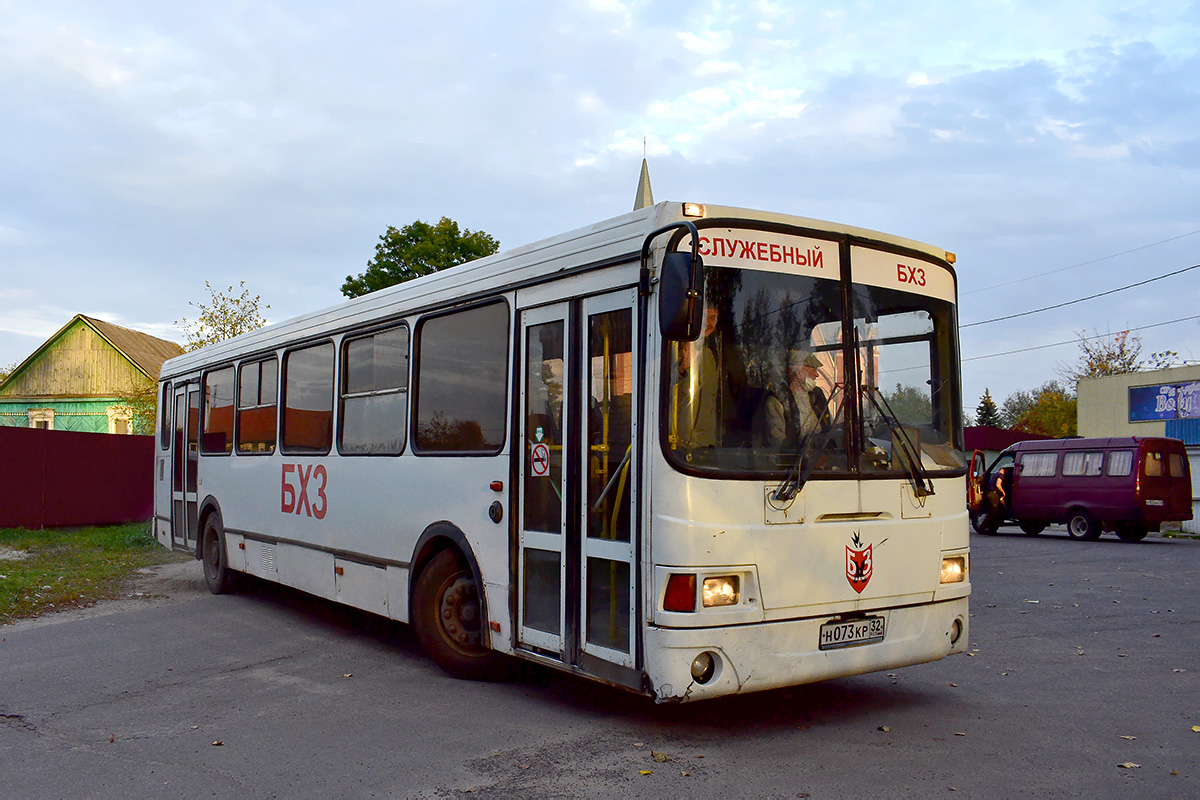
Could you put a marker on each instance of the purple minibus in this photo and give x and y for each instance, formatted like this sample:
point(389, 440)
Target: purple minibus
point(1128, 485)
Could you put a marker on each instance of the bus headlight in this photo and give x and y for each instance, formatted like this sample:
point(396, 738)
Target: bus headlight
point(722, 591)
point(954, 569)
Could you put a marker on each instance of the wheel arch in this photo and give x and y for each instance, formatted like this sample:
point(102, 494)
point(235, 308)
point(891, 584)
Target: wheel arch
point(445, 535)
point(208, 508)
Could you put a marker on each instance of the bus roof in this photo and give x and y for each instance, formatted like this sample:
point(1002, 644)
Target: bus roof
point(610, 242)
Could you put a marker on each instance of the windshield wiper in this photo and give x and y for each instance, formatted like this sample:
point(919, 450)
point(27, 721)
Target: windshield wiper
point(922, 486)
point(798, 475)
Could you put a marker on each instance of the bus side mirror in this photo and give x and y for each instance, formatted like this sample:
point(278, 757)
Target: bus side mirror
point(681, 297)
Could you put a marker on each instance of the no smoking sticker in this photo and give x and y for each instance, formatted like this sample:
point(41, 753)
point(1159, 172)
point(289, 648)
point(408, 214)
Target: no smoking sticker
point(540, 460)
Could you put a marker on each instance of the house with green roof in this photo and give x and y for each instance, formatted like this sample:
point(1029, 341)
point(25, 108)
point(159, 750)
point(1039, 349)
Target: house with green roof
point(91, 376)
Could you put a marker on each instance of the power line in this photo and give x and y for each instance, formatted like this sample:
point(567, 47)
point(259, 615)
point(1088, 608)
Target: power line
point(1080, 339)
point(1081, 299)
point(1082, 263)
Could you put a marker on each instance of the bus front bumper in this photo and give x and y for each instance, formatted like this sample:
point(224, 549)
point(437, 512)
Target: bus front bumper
point(751, 658)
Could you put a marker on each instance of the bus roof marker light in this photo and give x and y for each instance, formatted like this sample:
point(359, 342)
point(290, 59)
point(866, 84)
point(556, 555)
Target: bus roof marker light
point(693, 209)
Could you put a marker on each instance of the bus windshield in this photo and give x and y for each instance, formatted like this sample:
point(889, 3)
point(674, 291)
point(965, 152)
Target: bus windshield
point(772, 380)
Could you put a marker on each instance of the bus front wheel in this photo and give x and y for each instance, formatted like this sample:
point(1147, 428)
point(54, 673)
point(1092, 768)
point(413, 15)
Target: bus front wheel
point(1081, 525)
point(448, 618)
point(217, 574)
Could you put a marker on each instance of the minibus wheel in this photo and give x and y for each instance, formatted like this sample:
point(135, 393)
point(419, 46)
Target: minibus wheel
point(1080, 525)
point(1031, 528)
point(1131, 533)
point(448, 618)
point(217, 575)
point(984, 523)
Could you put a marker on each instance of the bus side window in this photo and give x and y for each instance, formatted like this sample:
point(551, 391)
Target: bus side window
point(257, 403)
point(218, 412)
point(164, 422)
point(461, 381)
point(374, 390)
point(308, 399)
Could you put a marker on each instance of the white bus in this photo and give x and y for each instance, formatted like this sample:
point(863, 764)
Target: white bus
point(689, 451)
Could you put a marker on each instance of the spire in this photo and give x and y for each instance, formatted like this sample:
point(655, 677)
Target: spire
point(645, 197)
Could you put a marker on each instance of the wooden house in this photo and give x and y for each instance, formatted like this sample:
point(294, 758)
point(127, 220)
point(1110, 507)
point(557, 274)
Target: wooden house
point(91, 376)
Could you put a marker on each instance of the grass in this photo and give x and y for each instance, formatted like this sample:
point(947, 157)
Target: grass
point(61, 568)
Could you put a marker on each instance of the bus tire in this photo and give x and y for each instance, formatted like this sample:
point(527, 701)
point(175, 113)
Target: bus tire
point(1081, 525)
point(448, 619)
point(1032, 528)
point(1131, 533)
point(219, 578)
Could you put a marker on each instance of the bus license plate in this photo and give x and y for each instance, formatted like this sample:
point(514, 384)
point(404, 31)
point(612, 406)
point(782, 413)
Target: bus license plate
point(866, 630)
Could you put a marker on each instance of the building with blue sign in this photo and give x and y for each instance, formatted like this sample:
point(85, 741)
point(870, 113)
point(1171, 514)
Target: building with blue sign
point(1164, 402)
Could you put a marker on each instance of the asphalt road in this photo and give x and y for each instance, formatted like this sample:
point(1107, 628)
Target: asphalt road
point(1085, 656)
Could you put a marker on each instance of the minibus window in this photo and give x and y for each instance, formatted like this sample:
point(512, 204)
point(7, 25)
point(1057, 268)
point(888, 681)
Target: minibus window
point(1176, 464)
point(1120, 463)
point(1154, 465)
point(1038, 465)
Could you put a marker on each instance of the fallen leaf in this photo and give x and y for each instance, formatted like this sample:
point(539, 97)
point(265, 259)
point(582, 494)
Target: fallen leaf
point(348, 675)
point(1179, 670)
point(1129, 765)
point(1035, 602)
point(955, 685)
point(959, 733)
point(112, 737)
point(639, 744)
point(645, 772)
point(218, 743)
point(522, 766)
point(884, 728)
point(971, 654)
point(1129, 738)
point(195, 727)
point(699, 756)
point(1196, 728)
point(801, 727)
point(1122, 655)
point(684, 774)
point(661, 758)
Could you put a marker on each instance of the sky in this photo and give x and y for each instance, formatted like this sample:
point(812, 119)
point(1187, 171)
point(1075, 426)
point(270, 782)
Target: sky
point(149, 147)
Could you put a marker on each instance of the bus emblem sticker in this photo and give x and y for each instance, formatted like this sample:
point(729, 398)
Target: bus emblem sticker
point(858, 564)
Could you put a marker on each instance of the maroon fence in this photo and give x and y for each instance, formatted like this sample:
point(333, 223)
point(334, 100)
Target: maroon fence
point(54, 478)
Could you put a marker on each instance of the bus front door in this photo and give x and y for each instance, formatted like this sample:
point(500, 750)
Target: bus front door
point(184, 446)
point(577, 570)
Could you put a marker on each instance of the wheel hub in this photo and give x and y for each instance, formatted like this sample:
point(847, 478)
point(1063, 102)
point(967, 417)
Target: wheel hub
point(459, 612)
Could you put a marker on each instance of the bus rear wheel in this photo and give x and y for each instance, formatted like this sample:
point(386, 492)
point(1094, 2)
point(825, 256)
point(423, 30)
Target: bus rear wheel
point(1131, 533)
point(1031, 528)
point(217, 575)
point(448, 618)
point(1081, 525)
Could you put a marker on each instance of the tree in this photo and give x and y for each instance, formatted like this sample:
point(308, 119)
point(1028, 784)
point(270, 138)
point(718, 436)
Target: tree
point(1050, 410)
point(143, 407)
point(225, 317)
point(418, 249)
point(1100, 357)
point(9, 370)
point(986, 412)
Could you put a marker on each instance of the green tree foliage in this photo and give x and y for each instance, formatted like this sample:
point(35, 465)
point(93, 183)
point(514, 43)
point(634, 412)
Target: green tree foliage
point(143, 406)
point(986, 412)
point(1047, 411)
point(6, 371)
point(910, 404)
point(1101, 357)
point(418, 249)
point(225, 316)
